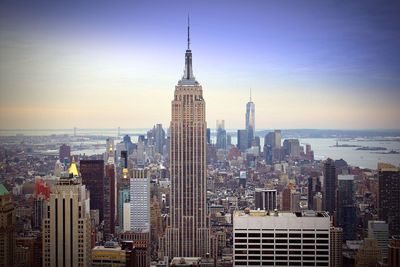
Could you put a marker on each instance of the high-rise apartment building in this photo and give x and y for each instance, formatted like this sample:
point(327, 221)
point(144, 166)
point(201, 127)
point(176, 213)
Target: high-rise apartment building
point(140, 201)
point(292, 148)
point(67, 226)
point(346, 207)
point(389, 196)
point(330, 186)
point(369, 253)
point(92, 174)
point(250, 121)
point(7, 228)
point(188, 231)
point(265, 199)
point(281, 238)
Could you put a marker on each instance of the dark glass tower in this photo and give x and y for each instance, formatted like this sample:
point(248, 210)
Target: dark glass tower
point(330, 186)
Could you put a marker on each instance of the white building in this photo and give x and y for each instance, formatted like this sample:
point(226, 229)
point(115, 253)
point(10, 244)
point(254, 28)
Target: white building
point(281, 238)
point(140, 201)
point(67, 228)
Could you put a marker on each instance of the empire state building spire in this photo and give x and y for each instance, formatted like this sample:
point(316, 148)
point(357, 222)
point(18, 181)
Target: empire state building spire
point(188, 77)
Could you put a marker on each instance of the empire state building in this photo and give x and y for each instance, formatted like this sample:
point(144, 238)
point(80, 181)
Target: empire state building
point(188, 232)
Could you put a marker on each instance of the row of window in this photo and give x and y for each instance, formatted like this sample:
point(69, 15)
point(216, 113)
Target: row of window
point(284, 235)
point(284, 263)
point(282, 252)
point(295, 241)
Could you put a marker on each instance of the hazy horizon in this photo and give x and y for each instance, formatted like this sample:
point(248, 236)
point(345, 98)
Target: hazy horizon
point(313, 65)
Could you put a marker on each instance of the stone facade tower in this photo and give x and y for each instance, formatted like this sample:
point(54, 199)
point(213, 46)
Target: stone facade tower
point(188, 230)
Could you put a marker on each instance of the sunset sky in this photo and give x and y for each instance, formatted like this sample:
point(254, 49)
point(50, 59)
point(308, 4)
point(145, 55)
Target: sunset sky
point(310, 64)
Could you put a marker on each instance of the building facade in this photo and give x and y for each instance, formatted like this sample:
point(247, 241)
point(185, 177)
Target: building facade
point(188, 232)
point(281, 238)
point(265, 199)
point(67, 226)
point(140, 201)
point(389, 196)
point(7, 228)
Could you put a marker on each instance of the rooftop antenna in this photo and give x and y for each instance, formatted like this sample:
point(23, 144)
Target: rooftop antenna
point(188, 38)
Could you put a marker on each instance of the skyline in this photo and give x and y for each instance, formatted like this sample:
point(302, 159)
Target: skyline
point(127, 68)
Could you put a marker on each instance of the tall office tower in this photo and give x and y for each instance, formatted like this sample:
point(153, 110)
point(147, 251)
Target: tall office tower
point(313, 186)
point(208, 135)
point(269, 139)
point(250, 121)
point(346, 209)
point(295, 199)
point(369, 253)
point(281, 238)
point(336, 248)
point(221, 135)
point(292, 147)
point(67, 229)
point(389, 196)
point(278, 139)
point(140, 200)
point(242, 141)
point(188, 233)
point(64, 153)
point(330, 186)
point(110, 201)
point(159, 136)
point(317, 202)
point(265, 199)
point(7, 228)
point(129, 146)
point(379, 230)
point(394, 252)
point(92, 173)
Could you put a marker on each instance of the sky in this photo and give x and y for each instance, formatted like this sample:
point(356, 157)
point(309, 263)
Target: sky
point(105, 64)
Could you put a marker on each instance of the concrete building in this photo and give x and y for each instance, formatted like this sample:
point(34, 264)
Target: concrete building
point(281, 238)
point(7, 228)
point(292, 148)
point(188, 232)
point(265, 199)
point(67, 227)
point(140, 201)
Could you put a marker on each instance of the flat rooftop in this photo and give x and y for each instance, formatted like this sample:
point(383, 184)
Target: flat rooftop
point(287, 214)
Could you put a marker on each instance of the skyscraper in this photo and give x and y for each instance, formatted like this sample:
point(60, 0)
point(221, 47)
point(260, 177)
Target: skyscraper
point(330, 186)
point(389, 196)
point(336, 249)
point(346, 209)
point(221, 134)
point(64, 153)
point(67, 229)
point(250, 121)
point(140, 201)
point(188, 227)
point(379, 230)
point(92, 173)
point(242, 140)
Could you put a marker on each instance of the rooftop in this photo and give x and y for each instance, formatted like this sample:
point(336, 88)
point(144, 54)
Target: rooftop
point(3, 190)
point(263, 213)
